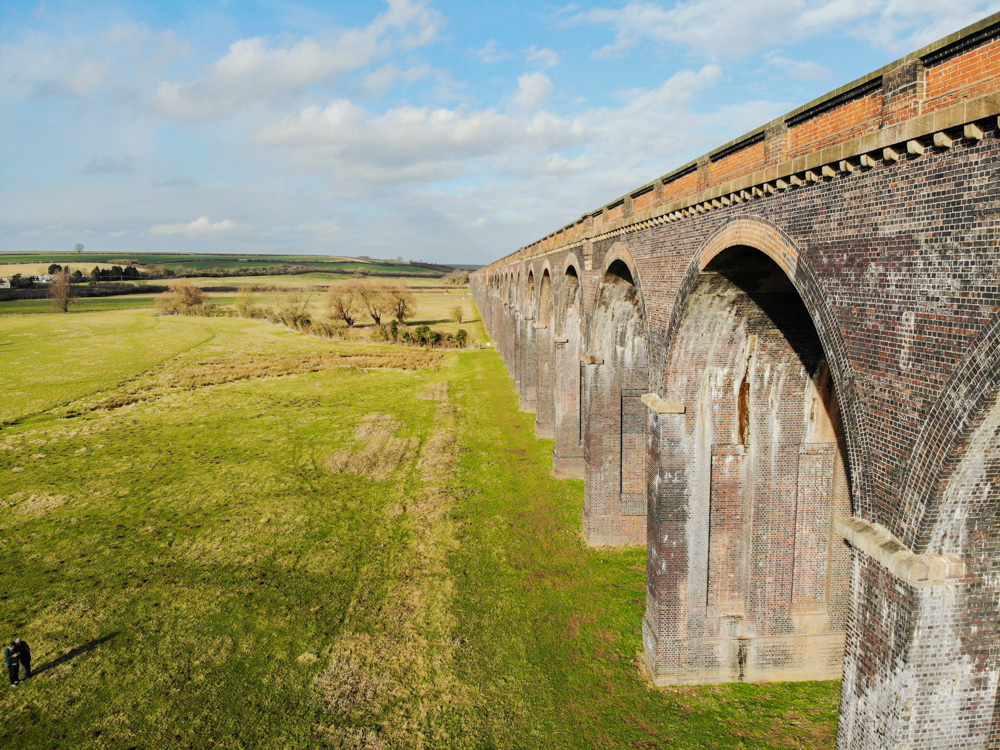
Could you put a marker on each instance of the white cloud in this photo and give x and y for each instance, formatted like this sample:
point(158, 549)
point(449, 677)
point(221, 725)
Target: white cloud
point(541, 55)
point(382, 80)
point(737, 28)
point(81, 67)
point(119, 233)
point(532, 90)
point(260, 68)
point(651, 130)
point(798, 70)
point(200, 226)
point(491, 52)
point(413, 142)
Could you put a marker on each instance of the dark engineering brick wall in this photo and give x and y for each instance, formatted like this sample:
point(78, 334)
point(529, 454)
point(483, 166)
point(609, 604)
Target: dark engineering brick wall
point(816, 348)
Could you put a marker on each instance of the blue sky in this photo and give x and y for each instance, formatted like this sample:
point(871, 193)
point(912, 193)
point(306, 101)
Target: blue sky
point(443, 131)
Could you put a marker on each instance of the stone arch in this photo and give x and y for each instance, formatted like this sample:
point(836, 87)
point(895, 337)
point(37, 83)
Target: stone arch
point(528, 368)
point(945, 434)
point(516, 326)
point(545, 355)
point(747, 577)
point(616, 375)
point(567, 458)
point(776, 245)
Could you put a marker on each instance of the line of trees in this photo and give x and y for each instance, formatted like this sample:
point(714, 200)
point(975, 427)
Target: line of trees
point(348, 302)
point(345, 303)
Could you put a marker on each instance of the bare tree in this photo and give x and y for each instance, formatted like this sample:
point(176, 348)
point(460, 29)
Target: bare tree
point(375, 299)
point(402, 302)
point(60, 292)
point(458, 313)
point(343, 303)
point(79, 247)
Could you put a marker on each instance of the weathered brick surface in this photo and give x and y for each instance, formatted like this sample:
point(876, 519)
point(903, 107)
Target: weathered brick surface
point(825, 312)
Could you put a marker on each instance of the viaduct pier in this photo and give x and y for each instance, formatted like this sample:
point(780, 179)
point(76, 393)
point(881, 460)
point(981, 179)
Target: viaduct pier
point(777, 367)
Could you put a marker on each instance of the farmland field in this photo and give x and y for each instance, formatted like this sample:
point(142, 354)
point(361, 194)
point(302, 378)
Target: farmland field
point(435, 302)
point(189, 263)
point(219, 533)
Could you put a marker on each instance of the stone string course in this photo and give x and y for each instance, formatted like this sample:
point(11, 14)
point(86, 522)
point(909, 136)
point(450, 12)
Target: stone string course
point(777, 367)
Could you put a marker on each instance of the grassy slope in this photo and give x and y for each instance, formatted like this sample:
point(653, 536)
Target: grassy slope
point(190, 568)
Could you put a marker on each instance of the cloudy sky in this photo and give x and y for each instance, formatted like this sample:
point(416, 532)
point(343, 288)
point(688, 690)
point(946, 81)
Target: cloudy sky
point(440, 130)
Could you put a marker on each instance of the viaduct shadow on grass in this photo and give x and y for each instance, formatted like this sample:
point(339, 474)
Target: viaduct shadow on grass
point(73, 653)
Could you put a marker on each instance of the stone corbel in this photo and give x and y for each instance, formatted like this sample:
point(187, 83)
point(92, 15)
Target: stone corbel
point(591, 359)
point(660, 406)
point(540, 326)
point(560, 340)
point(917, 570)
point(973, 132)
point(943, 140)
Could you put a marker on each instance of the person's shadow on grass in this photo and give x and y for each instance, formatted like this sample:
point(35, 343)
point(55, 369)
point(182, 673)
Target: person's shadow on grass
point(73, 653)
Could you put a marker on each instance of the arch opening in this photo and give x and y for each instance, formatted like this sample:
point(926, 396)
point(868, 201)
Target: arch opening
point(616, 376)
point(567, 457)
point(761, 589)
point(528, 368)
point(544, 359)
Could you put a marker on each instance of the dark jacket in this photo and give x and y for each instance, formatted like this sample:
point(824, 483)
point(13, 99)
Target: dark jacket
point(23, 650)
point(10, 658)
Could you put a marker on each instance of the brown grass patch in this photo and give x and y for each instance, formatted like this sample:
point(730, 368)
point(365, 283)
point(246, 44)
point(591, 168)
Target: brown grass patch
point(394, 688)
point(34, 505)
point(435, 391)
point(382, 453)
point(802, 733)
point(118, 400)
point(229, 369)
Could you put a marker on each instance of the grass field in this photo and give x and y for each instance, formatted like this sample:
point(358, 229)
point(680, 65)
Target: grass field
point(435, 302)
point(218, 533)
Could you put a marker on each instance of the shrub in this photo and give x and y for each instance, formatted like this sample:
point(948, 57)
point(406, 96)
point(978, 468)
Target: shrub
point(185, 298)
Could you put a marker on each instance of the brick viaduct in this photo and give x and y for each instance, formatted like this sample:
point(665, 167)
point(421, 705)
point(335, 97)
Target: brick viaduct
point(778, 367)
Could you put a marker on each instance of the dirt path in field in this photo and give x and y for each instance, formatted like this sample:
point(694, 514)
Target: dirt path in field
point(394, 685)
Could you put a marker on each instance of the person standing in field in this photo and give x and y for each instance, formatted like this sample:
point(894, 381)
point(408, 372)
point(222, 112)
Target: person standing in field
point(24, 655)
point(13, 664)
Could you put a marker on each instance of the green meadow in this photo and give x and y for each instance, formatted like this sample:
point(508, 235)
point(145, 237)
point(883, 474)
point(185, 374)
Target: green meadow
point(217, 533)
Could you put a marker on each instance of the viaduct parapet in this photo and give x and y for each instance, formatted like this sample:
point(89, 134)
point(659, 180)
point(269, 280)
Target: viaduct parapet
point(778, 367)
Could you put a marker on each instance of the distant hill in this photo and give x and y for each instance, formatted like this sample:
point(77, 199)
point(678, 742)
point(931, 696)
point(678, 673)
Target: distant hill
point(223, 264)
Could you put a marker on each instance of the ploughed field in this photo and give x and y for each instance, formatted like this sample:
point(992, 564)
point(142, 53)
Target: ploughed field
point(218, 533)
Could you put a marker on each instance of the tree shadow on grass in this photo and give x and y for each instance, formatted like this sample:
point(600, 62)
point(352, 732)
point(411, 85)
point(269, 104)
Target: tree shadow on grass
point(73, 653)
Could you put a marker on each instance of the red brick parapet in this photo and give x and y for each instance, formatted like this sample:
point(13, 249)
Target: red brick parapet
point(927, 100)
